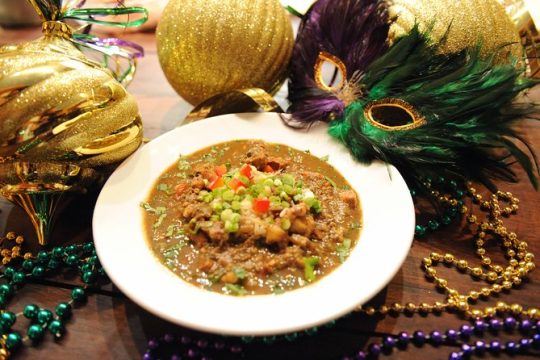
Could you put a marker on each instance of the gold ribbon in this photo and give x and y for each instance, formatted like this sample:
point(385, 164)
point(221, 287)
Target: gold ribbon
point(236, 101)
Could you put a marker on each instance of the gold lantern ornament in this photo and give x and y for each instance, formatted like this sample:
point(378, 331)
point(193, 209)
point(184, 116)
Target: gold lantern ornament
point(65, 120)
point(464, 23)
point(208, 47)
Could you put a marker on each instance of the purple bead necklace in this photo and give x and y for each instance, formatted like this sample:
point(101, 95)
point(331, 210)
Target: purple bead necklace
point(529, 328)
point(184, 347)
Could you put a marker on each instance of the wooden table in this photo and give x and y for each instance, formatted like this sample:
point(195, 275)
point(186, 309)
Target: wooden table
point(110, 326)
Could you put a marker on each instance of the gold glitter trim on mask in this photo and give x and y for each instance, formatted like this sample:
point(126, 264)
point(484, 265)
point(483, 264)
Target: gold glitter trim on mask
point(318, 71)
point(417, 119)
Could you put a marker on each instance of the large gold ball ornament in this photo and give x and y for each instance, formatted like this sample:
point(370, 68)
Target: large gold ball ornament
point(207, 47)
point(64, 121)
point(468, 22)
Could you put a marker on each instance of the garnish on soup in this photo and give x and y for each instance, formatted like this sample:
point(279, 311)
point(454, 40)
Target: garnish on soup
point(249, 217)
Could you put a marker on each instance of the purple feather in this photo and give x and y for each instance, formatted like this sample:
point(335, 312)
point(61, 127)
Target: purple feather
point(353, 30)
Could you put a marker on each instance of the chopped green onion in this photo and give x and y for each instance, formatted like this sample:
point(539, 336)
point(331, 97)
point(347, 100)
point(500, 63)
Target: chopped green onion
point(243, 179)
point(173, 251)
point(285, 224)
point(332, 182)
point(160, 220)
point(157, 211)
point(216, 275)
point(356, 225)
point(287, 179)
point(235, 205)
point(235, 218)
point(231, 227)
point(274, 199)
point(278, 291)
point(325, 157)
point(344, 249)
point(313, 204)
point(217, 206)
point(228, 195)
point(309, 267)
point(237, 290)
point(165, 188)
point(289, 189)
point(239, 272)
point(183, 164)
point(226, 214)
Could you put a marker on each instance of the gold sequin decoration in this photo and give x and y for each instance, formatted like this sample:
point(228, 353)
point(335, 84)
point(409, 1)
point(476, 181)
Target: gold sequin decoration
point(208, 47)
point(470, 21)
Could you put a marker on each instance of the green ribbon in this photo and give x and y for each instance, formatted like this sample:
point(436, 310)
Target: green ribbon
point(87, 15)
point(111, 49)
point(294, 12)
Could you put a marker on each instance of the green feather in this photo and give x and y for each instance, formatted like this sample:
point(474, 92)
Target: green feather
point(469, 109)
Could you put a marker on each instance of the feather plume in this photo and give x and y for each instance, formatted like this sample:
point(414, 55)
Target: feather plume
point(469, 111)
point(353, 30)
point(463, 106)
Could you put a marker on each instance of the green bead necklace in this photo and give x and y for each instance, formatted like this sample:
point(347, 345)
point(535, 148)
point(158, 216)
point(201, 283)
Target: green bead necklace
point(81, 257)
point(448, 195)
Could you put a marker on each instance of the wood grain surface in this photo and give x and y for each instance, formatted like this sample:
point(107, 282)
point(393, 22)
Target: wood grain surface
point(110, 326)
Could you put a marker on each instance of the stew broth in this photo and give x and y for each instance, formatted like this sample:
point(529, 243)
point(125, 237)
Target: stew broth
point(247, 218)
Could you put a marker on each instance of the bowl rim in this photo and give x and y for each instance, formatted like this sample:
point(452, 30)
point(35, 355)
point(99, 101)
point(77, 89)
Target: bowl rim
point(385, 200)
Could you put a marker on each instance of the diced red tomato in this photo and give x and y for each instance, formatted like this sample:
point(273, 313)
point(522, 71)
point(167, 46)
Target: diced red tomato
point(246, 171)
point(215, 183)
point(221, 170)
point(268, 169)
point(235, 184)
point(261, 205)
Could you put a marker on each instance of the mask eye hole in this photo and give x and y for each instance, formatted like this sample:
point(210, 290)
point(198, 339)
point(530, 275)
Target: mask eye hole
point(328, 64)
point(393, 115)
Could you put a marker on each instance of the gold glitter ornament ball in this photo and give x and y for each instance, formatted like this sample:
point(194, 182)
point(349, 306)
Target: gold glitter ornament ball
point(207, 47)
point(470, 21)
point(64, 122)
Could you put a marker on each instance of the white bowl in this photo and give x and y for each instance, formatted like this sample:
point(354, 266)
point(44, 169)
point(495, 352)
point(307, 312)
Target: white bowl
point(387, 217)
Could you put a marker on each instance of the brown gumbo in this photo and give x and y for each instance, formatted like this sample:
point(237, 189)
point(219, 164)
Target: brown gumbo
point(249, 217)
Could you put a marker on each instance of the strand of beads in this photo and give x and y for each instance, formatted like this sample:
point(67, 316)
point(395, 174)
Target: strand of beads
point(529, 328)
point(9, 254)
point(520, 264)
point(450, 199)
point(81, 257)
point(179, 347)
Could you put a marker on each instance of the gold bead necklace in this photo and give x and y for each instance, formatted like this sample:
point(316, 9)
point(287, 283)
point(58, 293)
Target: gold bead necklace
point(499, 277)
